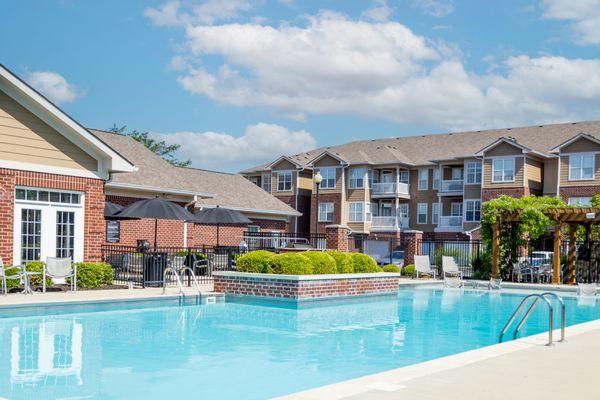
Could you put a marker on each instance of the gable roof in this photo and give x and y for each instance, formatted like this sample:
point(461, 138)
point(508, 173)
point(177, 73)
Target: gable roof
point(512, 142)
point(48, 112)
point(574, 139)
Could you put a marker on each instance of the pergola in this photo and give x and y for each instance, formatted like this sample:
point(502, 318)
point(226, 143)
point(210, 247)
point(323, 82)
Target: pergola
point(573, 217)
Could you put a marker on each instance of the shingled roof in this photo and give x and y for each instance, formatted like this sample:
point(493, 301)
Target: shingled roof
point(421, 150)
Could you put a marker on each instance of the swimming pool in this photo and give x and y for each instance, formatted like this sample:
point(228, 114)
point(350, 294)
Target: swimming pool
point(245, 350)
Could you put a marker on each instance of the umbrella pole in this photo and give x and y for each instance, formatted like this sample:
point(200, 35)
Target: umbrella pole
point(155, 232)
point(217, 235)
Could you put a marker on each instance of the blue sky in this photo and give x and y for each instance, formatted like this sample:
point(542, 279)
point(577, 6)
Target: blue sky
point(238, 82)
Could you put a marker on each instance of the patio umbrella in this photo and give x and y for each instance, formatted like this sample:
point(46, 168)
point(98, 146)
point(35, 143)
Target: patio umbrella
point(110, 209)
point(218, 215)
point(156, 209)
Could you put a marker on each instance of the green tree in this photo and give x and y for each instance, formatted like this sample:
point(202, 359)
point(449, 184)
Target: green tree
point(160, 148)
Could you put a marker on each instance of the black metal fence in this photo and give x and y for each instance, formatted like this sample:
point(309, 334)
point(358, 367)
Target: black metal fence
point(280, 240)
point(384, 250)
point(146, 268)
point(464, 252)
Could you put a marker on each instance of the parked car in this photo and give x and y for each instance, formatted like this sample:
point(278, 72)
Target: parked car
point(538, 258)
point(396, 258)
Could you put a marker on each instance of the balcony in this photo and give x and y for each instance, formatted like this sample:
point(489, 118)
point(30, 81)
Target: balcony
point(390, 189)
point(450, 223)
point(389, 223)
point(452, 187)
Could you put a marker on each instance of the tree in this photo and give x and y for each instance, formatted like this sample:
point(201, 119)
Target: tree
point(161, 148)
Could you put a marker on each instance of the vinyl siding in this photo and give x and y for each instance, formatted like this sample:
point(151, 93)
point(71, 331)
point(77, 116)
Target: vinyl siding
point(487, 175)
point(421, 196)
point(472, 191)
point(581, 145)
point(503, 149)
point(550, 176)
point(533, 174)
point(564, 174)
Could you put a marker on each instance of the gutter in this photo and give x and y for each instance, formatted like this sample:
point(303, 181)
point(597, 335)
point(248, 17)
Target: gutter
point(255, 210)
point(155, 189)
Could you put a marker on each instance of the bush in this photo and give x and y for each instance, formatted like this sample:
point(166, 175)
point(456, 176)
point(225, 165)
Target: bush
point(257, 261)
point(482, 266)
point(291, 264)
point(343, 263)
point(11, 283)
point(93, 275)
point(322, 262)
point(362, 263)
point(391, 268)
point(184, 253)
point(409, 271)
point(37, 266)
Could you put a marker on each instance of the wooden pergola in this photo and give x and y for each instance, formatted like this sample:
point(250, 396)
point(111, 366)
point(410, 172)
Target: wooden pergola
point(573, 217)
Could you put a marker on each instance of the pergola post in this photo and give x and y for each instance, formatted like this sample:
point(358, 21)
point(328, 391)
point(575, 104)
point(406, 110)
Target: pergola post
point(495, 251)
point(556, 257)
point(572, 253)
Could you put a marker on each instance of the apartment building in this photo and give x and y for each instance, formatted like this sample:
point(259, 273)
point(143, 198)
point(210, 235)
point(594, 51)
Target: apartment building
point(434, 183)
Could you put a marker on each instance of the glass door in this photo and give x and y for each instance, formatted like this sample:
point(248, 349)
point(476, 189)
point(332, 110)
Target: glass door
point(30, 236)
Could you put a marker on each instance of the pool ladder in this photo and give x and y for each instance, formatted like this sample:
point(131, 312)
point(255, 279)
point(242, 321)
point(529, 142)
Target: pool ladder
point(177, 275)
point(534, 299)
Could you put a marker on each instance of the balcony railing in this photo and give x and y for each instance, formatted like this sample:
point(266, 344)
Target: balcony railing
point(389, 188)
point(451, 221)
point(451, 186)
point(388, 222)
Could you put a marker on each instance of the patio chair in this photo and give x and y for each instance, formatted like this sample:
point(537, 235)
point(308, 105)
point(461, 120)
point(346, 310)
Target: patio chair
point(587, 289)
point(59, 268)
point(495, 284)
point(453, 282)
point(5, 277)
point(449, 267)
point(423, 267)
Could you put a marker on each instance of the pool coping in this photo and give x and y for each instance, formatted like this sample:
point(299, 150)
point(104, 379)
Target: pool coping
point(322, 277)
point(391, 380)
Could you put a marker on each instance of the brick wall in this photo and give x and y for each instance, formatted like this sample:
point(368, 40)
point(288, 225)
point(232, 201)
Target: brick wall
point(490, 194)
point(336, 199)
point(94, 226)
point(578, 191)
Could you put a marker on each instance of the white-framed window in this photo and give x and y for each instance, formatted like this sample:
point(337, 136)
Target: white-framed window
point(356, 212)
point(436, 179)
point(473, 210)
point(422, 213)
point(265, 181)
point(404, 176)
point(473, 172)
point(456, 209)
point(254, 179)
point(370, 178)
point(581, 167)
point(457, 174)
point(328, 175)
point(435, 213)
point(580, 201)
point(423, 179)
point(374, 209)
point(284, 181)
point(325, 212)
point(368, 214)
point(357, 178)
point(503, 170)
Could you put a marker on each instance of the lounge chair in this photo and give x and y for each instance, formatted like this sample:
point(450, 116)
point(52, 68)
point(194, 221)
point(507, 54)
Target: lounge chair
point(449, 267)
point(5, 277)
point(587, 289)
point(60, 268)
point(423, 267)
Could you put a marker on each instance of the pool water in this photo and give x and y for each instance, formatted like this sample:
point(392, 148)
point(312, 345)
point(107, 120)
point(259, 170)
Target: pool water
point(246, 350)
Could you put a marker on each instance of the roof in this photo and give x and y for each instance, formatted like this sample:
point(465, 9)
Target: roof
point(214, 188)
point(421, 150)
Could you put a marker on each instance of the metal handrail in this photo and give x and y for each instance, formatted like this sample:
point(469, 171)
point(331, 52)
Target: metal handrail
point(563, 316)
point(524, 318)
point(181, 292)
point(184, 268)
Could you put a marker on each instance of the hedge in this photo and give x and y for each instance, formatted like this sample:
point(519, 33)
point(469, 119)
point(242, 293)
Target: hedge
point(11, 283)
point(257, 261)
point(362, 263)
point(37, 266)
point(292, 264)
point(93, 275)
point(342, 261)
point(409, 271)
point(391, 268)
point(322, 262)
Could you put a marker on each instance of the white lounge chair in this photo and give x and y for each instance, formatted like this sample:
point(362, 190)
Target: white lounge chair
point(60, 268)
point(449, 267)
point(423, 267)
point(587, 289)
point(4, 277)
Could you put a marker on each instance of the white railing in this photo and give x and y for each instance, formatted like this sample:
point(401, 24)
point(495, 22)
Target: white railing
point(451, 186)
point(403, 188)
point(451, 221)
point(389, 222)
point(389, 188)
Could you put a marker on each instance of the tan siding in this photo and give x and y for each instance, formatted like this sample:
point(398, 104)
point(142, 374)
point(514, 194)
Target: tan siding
point(487, 175)
point(358, 226)
point(581, 145)
point(503, 149)
point(338, 183)
point(26, 138)
point(421, 196)
point(356, 195)
point(564, 174)
point(472, 192)
point(327, 161)
point(283, 165)
point(274, 190)
point(533, 174)
point(306, 183)
point(550, 176)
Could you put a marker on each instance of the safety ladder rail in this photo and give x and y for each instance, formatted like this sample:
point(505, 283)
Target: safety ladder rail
point(537, 297)
point(174, 272)
point(193, 275)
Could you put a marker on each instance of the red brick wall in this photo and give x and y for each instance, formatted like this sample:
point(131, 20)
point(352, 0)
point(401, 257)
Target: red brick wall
point(94, 226)
point(336, 199)
point(578, 191)
point(490, 194)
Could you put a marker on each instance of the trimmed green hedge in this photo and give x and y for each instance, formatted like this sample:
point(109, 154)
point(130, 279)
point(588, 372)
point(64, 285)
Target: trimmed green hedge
point(257, 261)
point(291, 264)
point(322, 262)
point(37, 266)
point(391, 268)
point(362, 263)
point(11, 283)
point(342, 261)
point(409, 271)
point(93, 275)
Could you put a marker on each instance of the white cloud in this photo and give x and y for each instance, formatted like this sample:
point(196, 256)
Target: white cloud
point(258, 144)
point(54, 86)
point(584, 16)
point(380, 12)
point(175, 13)
point(434, 8)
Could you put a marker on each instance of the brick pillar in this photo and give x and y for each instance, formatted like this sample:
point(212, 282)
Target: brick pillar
point(412, 245)
point(337, 237)
point(7, 206)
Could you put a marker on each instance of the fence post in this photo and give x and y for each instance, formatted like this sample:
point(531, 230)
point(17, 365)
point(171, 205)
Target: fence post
point(336, 237)
point(412, 240)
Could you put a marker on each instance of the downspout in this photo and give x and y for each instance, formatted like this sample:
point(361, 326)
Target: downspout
point(296, 201)
point(185, 226)
point(558, 177)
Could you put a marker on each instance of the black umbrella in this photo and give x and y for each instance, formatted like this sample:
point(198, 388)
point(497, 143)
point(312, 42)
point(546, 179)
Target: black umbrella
point(217, 216)
point(110, 209)
point(156, 208)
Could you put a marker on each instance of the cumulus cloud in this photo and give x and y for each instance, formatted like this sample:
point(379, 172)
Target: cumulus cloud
point(380, 11)
point(584, 16)
point(174, 13)
point(434, 8)
point(54, 86)
point(259, 144)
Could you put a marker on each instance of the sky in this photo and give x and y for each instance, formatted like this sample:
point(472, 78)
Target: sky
point(239, 82)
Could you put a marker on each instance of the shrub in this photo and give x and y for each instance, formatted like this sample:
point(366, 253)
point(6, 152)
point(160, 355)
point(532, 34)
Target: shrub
point(343, 263)
point(93, 275)
point(322, 262)
point(391, 268)
point(362, 263)
point(37, 266)
point(199, 255)
point(11, 283)
point(257, 261)
point(291, 264)
point(482, 266)
point(409, 271)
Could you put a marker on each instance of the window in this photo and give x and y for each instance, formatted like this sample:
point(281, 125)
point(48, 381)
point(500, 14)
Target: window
point(423, 179)
point(473, 172)
point(435, 213)
point(581, 167)
point(266, 182)
point(374, 209)
point(357, 178)
point(325, 212)
point(254, 179)
point(473, 210)
point(328, 175)
point(65, 233)
point(422, 213)
point(284, 181)
point(31, 234)
point(403, 214)
point(46, 196)
point(456, 209)
point(580, 201)
point(503, 170)
point(404, 176)
point(436, 179)
point(457, 174)
point(355, 212)
point(368, 214)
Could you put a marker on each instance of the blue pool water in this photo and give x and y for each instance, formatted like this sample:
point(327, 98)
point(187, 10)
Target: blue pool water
point(242, 350)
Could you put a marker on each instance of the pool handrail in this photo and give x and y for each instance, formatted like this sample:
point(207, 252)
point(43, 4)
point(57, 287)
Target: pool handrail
point(174, 272)
point(512, 318)
point(186, 268)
